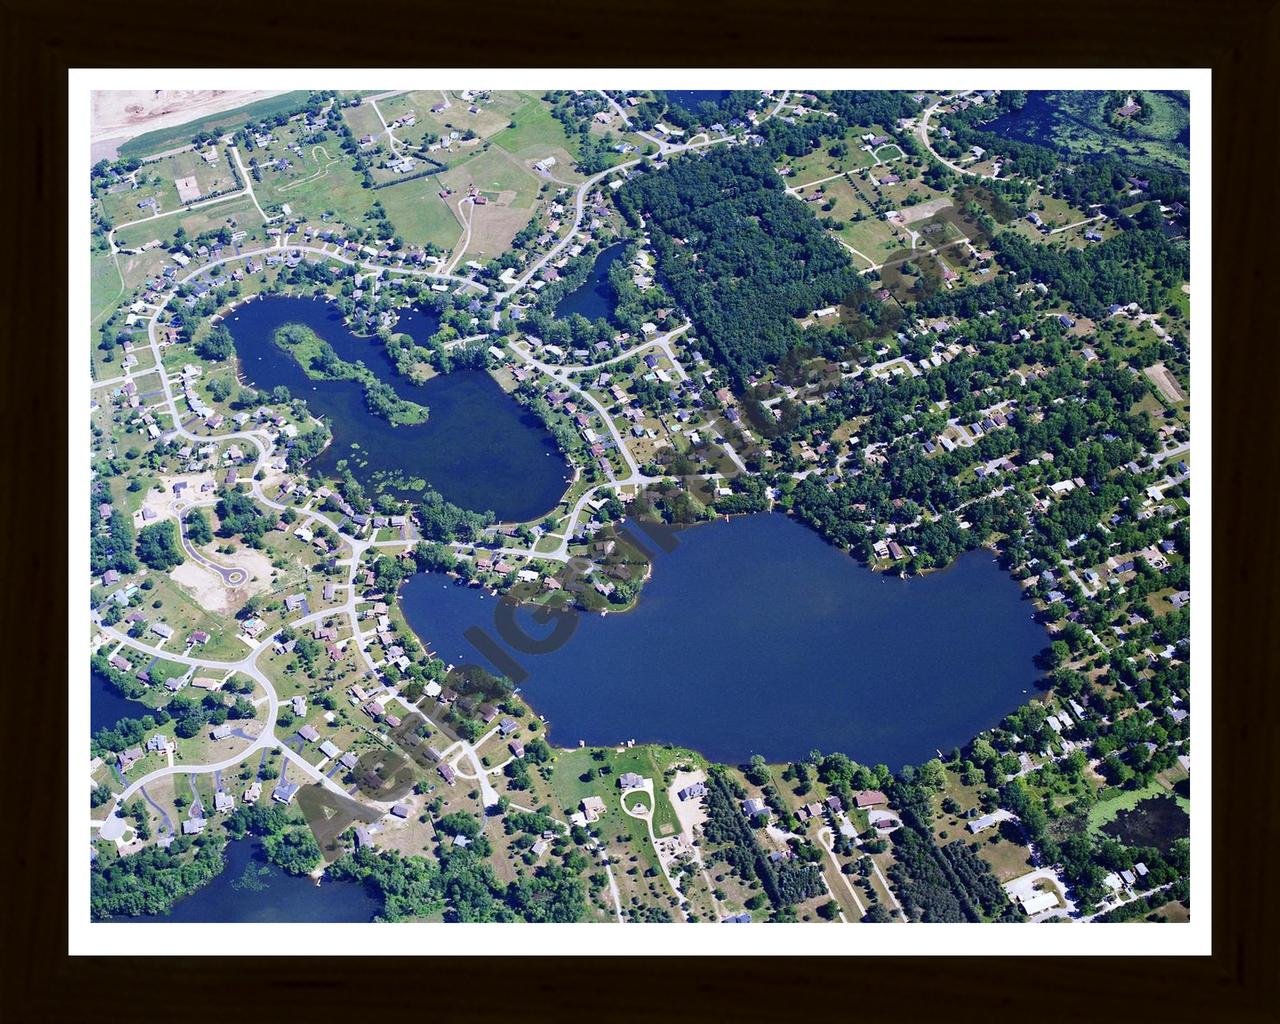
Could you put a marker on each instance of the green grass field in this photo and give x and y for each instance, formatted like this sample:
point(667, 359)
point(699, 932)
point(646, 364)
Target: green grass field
point(536, 133)
point(819, 163)
point(873, 237)
point(181, 135)
point(194, 222)
point(364, 121)
point(157, 181)
point(419, 214)
point(331, 186)
point(1105, 810)
point(492, 116)
point(494, 172)
point(649, 761)
point(106, 289)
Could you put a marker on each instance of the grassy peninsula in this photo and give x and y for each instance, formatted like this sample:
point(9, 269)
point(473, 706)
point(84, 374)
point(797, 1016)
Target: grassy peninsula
point(320, 362)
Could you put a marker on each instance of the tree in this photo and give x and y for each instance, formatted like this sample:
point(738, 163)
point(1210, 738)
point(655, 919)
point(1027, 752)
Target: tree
point(932, 775)
point(158, 546)
point(217, 344)
point(238, 514)
point(219, 389)
point(296, 851)
point(757, 771)
point(198, 529)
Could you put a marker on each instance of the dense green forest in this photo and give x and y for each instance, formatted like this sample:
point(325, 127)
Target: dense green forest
point(785, 884)
point(461, 885)
point(1135, 266)
point(743, 257)
point(152, 880)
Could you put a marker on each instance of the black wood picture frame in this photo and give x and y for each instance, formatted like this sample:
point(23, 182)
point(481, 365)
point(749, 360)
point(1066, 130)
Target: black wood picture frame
point(1238, 39)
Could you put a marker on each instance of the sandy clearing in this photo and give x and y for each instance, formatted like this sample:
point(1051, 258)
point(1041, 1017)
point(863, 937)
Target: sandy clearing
point(207, 589)
point(690, 813)
point(117, 115)
point(922, 211)
point(1161, 377)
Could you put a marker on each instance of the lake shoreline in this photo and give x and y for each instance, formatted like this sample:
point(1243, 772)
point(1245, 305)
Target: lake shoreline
point(867, 693)
point(479, 448)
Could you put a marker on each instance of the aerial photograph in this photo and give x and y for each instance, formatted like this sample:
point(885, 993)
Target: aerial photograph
point(615, 506)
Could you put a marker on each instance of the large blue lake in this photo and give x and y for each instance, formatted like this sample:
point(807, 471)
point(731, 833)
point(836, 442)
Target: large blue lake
point(593, 298)
point(756, 636)
point(479, 448)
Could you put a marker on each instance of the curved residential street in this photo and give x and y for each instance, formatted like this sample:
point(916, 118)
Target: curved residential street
point(922, 131)
point(264, 445)
point(231, 576)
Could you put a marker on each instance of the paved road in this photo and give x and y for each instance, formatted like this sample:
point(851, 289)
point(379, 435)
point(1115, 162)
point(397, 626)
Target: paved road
point(664, 149)
point(263, 443)
point(922, 130)
point(465, 241)
point(231, 576)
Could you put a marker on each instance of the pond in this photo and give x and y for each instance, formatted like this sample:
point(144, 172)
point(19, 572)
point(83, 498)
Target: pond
point(479, 448)
point(1158, 821)
point(756, 636)
point(1034, 123)
point(253, 890)
point(691, 99)
point(594, 298)
point(1047, 120)
point(106, 706)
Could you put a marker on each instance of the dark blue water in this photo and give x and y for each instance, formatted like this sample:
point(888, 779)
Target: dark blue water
point(418, 323)
point(593, 298)
point(1042, 119)
point(479, 447)
point(756, 636)
point(253, 890)
point(106, 706)
point(691, 99)
point(1034, 123)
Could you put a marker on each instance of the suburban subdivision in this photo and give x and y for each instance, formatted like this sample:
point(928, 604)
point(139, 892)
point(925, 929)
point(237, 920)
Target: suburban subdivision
point(711, 507)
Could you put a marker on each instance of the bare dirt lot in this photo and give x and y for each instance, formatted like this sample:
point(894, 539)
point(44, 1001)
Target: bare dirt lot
point(492, 229)
point(1163, 380)
point(922, 211)
point(690, 813)
point(209, 591)
point(117, 115)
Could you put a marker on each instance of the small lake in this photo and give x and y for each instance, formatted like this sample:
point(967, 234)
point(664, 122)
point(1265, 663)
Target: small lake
point(1042, 120)
point(106, 706)
point(479, 448)
point(1034, 123)
point(594, 298)
point(691, 99)
point(253, 890)
point(756, 636)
